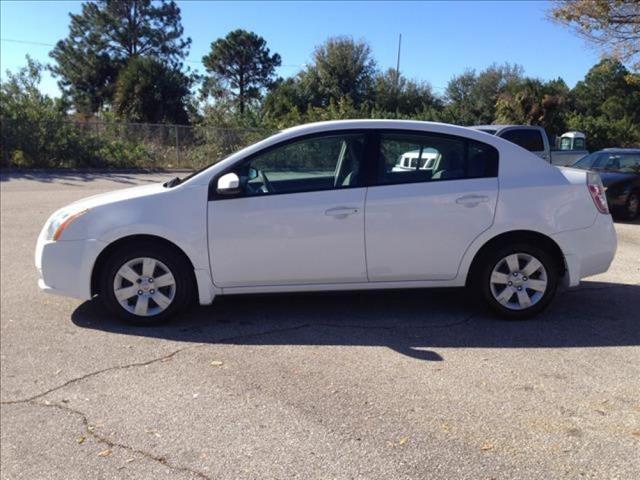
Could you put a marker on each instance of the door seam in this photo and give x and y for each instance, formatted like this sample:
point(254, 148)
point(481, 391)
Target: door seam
point(364, 232)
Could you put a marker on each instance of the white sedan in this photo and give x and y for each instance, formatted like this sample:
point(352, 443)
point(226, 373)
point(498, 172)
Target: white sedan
point(320, 207)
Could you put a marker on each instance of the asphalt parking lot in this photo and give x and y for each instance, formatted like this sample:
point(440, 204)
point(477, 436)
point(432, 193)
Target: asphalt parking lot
point(414, 384)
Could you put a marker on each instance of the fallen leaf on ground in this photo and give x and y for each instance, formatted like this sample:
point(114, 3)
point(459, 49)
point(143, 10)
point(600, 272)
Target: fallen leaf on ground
point(486, 446)
point(105, 453)
point(403, 440)
point(217, 363)
point(80, 439)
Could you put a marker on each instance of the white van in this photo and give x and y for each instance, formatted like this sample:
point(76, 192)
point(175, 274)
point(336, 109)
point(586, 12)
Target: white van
point(415, 159)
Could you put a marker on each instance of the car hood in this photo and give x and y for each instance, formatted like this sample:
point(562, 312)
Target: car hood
point(117, 196)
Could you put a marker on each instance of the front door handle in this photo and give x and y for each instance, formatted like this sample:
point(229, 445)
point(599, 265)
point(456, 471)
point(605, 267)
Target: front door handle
point(341, 212)
point(472, 200)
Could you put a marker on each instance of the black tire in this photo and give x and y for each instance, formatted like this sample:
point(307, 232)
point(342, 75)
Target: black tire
point(481, 279)
point(631, 208)
point(183, 289)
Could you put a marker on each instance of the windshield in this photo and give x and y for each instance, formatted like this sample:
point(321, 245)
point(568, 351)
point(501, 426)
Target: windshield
point(193, 174)
point(586, 161)
point(611, 162)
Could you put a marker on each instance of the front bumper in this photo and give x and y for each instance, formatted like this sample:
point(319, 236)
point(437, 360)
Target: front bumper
point(588, 251)
point(65, 266)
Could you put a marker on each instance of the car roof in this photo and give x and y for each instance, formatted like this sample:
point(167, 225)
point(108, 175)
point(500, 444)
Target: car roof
point(380, 124)
point(500, 127)
point(370, 123)
point(619, 150)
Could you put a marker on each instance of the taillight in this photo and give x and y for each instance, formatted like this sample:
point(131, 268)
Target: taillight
point(596, 189)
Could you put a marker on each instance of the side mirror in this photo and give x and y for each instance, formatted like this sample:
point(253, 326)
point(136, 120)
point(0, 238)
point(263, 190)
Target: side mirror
point(228, 184)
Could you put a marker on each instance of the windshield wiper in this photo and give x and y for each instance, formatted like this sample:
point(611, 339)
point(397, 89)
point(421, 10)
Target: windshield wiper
point(173, 182)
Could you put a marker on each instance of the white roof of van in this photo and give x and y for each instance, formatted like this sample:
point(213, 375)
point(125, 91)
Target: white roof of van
point(573, 135)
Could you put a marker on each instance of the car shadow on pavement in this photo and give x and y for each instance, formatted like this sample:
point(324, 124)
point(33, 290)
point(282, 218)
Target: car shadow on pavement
point(415, 323)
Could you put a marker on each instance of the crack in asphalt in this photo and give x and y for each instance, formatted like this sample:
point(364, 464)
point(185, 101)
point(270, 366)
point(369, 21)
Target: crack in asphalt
point(160, 459)
point(90, 431)
point(141, 364)
point(268, 332)
point(94, 373)
point(227, 340)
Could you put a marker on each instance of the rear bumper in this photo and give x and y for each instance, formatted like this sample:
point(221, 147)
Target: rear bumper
point(64, 267)
point(588, 251)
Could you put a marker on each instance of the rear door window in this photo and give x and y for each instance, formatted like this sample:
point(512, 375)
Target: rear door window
point(433, 158)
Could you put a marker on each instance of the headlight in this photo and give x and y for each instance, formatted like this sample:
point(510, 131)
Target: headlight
point(60, 221)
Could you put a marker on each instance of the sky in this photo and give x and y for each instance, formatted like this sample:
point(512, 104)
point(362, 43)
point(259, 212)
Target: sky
point(440, 39)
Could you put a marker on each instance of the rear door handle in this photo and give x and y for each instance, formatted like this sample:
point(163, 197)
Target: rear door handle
point(471, 200)
point(341, 212)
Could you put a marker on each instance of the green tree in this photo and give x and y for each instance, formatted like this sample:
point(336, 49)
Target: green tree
point(396, 94)
point(104, 36)
point(471, 98)
point(533, 102)
point(32, 123)
point(460, 100)
point(241, 66)
point(341, 68)
point(607, 105)
point(285, 103)
point(148, 90)
point(613, 25)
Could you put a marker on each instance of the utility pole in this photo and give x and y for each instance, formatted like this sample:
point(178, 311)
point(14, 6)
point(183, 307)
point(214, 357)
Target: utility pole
point(398, 61)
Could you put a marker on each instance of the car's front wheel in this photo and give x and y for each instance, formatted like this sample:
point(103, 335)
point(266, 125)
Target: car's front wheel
point(146, 283)
point(518, 281)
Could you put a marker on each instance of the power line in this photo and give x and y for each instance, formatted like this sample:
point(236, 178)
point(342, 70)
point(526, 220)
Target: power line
point(27, 42)
point(42, 44)
point(293, 65)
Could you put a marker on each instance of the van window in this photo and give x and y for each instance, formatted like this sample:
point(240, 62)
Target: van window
point(565, 143)
point(528, 139)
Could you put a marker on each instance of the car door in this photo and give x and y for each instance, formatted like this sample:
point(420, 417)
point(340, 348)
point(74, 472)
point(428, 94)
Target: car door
point(419, 223)
point(298, 219)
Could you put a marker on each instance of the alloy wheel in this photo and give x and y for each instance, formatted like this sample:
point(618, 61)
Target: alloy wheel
point(144, 286)
point(518, 281)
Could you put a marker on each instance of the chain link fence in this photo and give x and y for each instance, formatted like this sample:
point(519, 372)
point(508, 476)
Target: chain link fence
point(96, 144)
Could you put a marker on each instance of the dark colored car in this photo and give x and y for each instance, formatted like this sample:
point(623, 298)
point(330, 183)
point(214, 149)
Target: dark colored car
point(619, 169)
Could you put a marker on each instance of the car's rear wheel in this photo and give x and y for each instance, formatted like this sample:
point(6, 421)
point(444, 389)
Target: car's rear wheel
point(146, 283)
point(632, 207)
point(518, 281)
